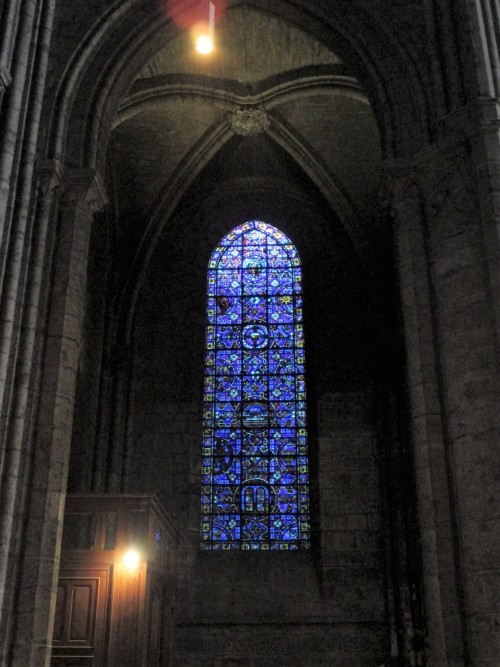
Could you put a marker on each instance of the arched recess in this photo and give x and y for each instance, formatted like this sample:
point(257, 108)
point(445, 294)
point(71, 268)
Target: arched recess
point(129, 34)
point(109, 58)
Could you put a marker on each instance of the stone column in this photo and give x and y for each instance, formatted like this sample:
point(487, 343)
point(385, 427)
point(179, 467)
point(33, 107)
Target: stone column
point(83, 196)
point(435, 506)
point(10, 15)
point(480, 25)
point(5, 80)
point(485, 154)
point(449, 314)
point(17, 448)
point(459, 259)
point(24, 46)
point(460, 185)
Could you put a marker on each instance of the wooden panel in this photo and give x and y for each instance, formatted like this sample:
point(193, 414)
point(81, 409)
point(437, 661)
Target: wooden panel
point(106, 615)
point(80, 621)
point(127, 639)
point(83, 610)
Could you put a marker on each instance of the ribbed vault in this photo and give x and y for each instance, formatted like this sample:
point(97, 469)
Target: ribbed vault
point(337, 87)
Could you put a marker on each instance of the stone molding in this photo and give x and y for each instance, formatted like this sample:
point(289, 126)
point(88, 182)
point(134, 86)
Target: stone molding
point(84, 188)
point(5, 78)
point(437, 175)
point(50, 175)
point(400, 184)
point(481, 115)
point(246, 122)
point(486, 38)
point(145, 97)
point(447, 184)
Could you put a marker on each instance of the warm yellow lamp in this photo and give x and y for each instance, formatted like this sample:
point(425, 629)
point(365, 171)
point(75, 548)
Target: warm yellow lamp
point(204, 44)
point(131, 559)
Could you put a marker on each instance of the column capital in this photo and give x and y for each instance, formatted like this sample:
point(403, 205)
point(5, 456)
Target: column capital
point(436, 175)
point(447, 181)
point(84, 188)
point(400, 183)
point(50, 175)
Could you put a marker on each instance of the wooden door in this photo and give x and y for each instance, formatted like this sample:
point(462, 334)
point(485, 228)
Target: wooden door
point(80, 619)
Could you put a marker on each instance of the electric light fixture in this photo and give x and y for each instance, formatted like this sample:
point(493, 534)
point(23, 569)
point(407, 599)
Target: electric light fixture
point(131, 559)
point(204, 44)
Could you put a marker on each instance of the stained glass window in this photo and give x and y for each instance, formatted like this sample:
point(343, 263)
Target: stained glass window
point(255, 470)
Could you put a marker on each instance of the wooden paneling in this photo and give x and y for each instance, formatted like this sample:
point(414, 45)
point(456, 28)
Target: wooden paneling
point(108, 615)
point(80, 619)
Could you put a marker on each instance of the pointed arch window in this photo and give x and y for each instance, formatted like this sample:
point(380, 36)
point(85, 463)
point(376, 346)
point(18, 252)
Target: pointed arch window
point(255, 493)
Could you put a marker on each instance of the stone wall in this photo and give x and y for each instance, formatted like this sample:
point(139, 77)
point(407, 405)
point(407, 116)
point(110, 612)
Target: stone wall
point(275, 608)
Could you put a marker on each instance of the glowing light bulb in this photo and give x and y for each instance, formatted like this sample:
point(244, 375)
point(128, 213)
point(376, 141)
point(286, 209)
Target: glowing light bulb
point(204, 44)
point(131, 559)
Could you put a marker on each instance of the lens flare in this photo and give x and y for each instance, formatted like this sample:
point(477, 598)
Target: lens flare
point(186, 13)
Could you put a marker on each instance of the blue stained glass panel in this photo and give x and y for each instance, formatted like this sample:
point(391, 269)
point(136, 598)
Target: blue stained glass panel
point(228, 363)
point(254, 309)
point(254, 468)
point(280, 281)
point(255, 387)
point(230, 258)
point(228, 283)
point(227, 310)
point(255, 363)
point(255, 441)
point(282, 361)
point(228, 337)
point(282, 309)
point(255, 336)
point(227, 388)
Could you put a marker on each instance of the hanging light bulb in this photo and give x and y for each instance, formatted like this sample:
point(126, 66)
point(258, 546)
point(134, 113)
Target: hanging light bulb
point(205, 41)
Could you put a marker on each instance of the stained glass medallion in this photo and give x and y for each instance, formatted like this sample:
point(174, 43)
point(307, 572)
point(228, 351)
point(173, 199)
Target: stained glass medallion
point(255, 493)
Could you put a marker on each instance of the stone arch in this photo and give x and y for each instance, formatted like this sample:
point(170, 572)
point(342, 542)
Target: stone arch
point(129, 33)
point(192, 165)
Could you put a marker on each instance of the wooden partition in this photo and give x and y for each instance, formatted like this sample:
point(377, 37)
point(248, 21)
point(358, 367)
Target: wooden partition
point(108, 614)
